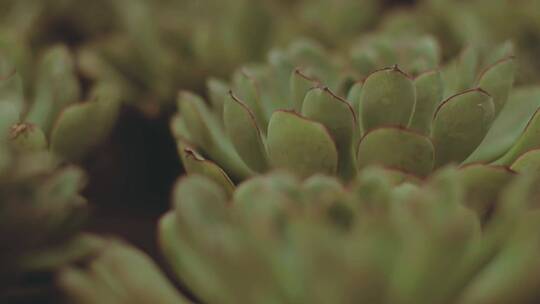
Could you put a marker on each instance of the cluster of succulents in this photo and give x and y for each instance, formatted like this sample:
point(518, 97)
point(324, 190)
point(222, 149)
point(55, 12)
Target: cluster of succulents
point(282, 240)
point(160, 46)
point(332, 229)
point(400, 166)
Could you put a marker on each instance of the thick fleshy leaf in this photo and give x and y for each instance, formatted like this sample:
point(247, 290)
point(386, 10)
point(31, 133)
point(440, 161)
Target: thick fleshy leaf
point(56, 87)
point(528, 162)
point(27, 138)
point(508, 126)
point(424, 55)
point(354, 100)
point(429, 94)
point(303, 146)
point(196, 164)
point(388, 98)
point(197, 119)
point(217, 93)
point(529, 140)
point(338, 117)
point(82, 126)
point(9, 115)
point(186, 262)
point(199, 201)
point(498, 80)
point(109, 102)
point(504, 50)
point(244, 133)
point(461, 74)
point(178, 128)
point(11, 89)
point(354, 97)
point(281, 67)
point(321, 188)
point(263, 202)
point(300, 85)
point(206, 134)
point(109, 277)
point(246, 87)
point(483, 185)
point(460, 124)
point(202, 221)
point(397, 148)
point(518, 261)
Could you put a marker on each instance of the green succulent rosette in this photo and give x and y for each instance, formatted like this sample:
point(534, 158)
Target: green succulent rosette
point(43, 104)
point(378, 239)
point(41, 215)
point(44, 127)
point(289, 114)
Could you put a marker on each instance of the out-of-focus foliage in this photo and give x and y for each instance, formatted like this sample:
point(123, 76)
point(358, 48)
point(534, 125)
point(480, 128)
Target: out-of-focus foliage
point(481, 23)
point(43, 126)
point(377, 240)
point(42, 94)
point(150, 48)
point(118, 274)
point(41, 213)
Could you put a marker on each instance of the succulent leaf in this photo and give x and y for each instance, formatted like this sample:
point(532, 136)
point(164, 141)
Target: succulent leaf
point(429, 92)
point(497, 80)
point(337, 115)
point(388, 98)
point(205, 132)
point(528, 140)
point(397, 149)
point(301, 145)
point(460, 124)
point(529, 161)
point(82, 126)
point(508, 126)
point(195, 164)
point(56, 88)
point(242, 129)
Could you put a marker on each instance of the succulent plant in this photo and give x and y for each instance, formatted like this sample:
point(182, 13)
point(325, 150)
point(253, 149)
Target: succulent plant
point(41, 213)
point(282, 240)
point(279, 116)
point(159, 45)
point(43, 108)
point(42, 128)
point(118, 274)
point(481, 23)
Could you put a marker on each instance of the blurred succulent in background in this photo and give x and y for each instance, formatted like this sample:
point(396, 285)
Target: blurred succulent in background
point(161, 45)
point(482, 23)
point(281, 240)
point(42, 126)
point(118, 274)
point(279, 116)
point(41, 212)
point(43, 108)
point(53, 21)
